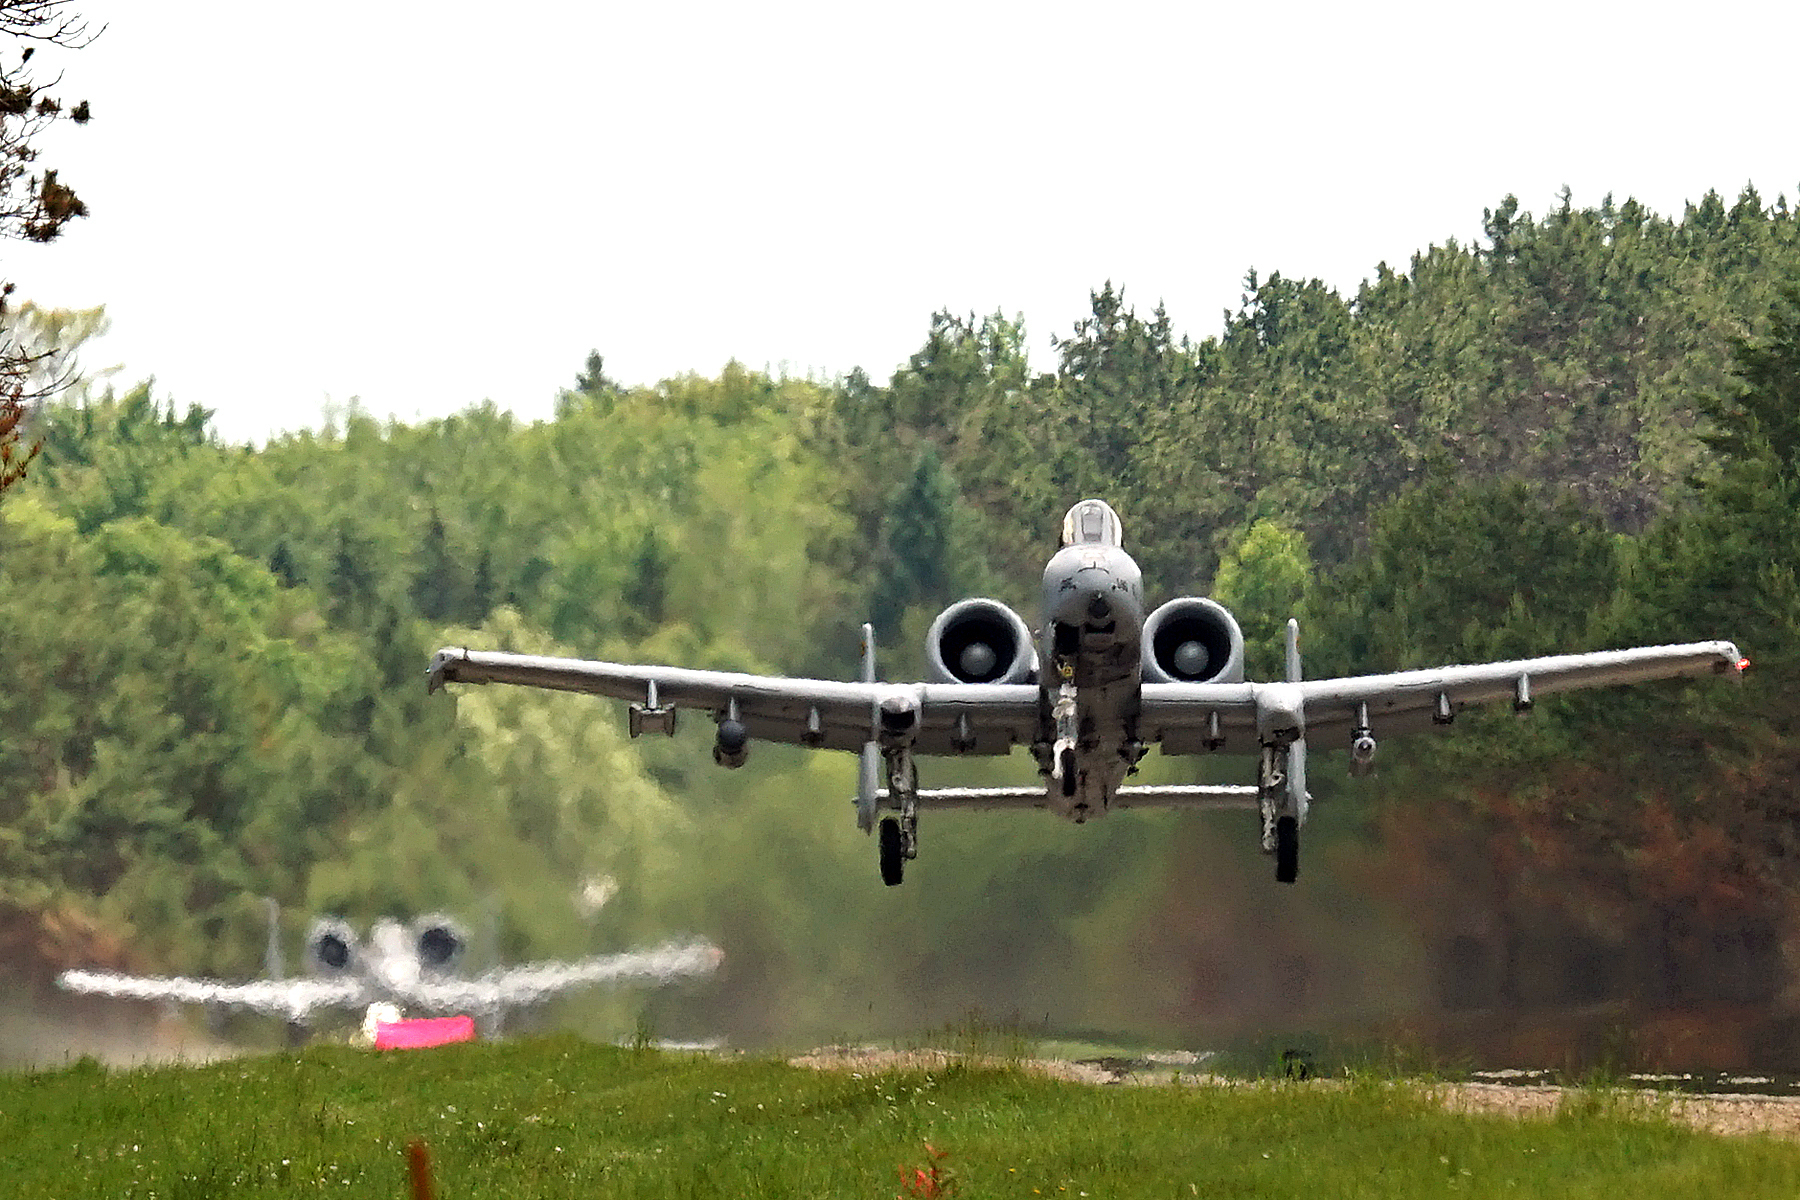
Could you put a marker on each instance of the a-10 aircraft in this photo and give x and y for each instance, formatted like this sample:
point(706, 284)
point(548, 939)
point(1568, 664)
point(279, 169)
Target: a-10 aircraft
point(1098, 684)
point(416, 967)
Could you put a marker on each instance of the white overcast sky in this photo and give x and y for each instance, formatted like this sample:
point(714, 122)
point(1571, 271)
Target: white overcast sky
point(428, 204)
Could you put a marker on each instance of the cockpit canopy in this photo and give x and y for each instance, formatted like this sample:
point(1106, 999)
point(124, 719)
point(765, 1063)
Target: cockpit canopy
point(1093, 523)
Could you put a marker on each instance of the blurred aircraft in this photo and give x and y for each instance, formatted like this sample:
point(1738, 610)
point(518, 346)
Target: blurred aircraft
point(414, 967)
point(1088, 693)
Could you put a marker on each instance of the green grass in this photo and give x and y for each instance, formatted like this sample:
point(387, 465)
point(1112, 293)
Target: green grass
point(560, 1117)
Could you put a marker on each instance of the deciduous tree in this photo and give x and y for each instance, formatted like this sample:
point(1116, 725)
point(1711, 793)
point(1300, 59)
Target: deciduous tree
point(34, 204)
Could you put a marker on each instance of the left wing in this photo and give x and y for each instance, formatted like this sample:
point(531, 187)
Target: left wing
point(954, 718)
point(533, 983)
point(1191, 717)
point(293, 999)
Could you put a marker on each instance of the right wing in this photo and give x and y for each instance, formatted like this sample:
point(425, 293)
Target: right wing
point(534, 983)
point(293, 999)
point(955, 718)
point(1415, 699)
point(1190, 717)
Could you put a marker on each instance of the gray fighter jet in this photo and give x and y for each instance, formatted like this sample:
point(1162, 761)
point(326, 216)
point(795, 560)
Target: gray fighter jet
point(1098, 683)
point(416, 967)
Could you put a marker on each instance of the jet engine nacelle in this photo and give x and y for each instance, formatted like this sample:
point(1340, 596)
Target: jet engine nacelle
point(439, 942)
point(331, 947)
point(1193, 640)
point(980, 641)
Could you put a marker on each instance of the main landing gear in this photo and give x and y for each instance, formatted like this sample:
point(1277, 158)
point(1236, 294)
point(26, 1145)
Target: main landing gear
point(898, 837)
point(893, 851)
point(1287, 849)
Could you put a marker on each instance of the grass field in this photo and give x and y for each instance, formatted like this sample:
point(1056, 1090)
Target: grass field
point(560, 1117)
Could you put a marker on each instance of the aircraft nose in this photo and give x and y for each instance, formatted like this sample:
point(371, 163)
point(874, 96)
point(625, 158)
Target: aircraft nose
point(1089, 597)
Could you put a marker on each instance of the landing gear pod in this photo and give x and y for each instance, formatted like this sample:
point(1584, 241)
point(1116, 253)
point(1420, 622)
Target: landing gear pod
point(1193, 640)
point(332, 947)
point(980, 641)
point(440, 943)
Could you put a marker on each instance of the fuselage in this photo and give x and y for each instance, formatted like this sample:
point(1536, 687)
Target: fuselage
point(1091, 657)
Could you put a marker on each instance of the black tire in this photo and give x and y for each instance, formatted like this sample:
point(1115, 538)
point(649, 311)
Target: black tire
point(1287, 849)
point(1068, 773)
point(893, 860)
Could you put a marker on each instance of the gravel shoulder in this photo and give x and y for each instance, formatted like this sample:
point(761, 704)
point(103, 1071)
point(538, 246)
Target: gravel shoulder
point(1735, 1115)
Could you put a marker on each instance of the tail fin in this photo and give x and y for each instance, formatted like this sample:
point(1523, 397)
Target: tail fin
point(273, 967)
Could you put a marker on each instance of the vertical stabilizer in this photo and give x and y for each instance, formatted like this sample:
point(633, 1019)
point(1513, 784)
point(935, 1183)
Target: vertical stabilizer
point(273, 966)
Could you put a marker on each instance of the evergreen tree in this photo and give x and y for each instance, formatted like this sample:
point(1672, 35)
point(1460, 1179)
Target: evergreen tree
point(916, 538)
point(437, 587)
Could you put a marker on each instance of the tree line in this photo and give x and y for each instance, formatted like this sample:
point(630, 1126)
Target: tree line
point(1576, 431)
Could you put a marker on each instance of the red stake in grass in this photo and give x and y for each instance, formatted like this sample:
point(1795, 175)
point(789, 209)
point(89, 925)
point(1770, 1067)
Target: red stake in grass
point(930, 1181)
point(418, 1165)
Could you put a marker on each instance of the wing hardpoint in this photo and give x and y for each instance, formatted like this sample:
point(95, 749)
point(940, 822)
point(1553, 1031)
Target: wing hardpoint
point(819, 713)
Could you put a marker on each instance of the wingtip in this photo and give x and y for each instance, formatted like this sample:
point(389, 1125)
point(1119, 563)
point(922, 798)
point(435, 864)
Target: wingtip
point(438, 673)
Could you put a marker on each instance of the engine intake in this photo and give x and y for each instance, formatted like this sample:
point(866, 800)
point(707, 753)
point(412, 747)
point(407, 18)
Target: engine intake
point(980, 641)
point(1193, 640)
point(331, 947)
point(439, 942)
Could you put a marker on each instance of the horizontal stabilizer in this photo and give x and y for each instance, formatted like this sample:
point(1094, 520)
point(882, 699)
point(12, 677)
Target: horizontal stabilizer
point(1174, 796)
point(1186, 796)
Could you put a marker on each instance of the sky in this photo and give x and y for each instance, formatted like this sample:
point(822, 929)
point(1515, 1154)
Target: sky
point(421, 206)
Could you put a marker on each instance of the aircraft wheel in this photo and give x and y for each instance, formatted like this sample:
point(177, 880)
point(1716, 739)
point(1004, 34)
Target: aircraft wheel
point(1287, 849)
point(893, 860)
point(1068, 772)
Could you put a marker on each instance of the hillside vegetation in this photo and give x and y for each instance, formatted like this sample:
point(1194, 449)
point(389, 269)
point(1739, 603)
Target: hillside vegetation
point(1578, 431)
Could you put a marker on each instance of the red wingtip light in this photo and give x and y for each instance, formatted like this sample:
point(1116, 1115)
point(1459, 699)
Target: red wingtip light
point(1742, 664)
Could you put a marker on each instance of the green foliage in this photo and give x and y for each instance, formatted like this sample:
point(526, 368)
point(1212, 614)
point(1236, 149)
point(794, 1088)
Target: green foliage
point(1263, 577)
point(1456, 572)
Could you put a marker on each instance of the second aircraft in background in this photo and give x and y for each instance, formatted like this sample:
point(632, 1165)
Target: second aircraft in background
point(416, 968)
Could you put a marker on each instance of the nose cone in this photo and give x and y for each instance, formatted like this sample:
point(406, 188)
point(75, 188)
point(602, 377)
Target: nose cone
point(977, 660)
point(1191, 660)
point(1094, 597)
point(1094, 588)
